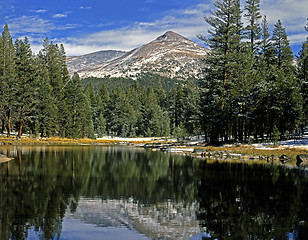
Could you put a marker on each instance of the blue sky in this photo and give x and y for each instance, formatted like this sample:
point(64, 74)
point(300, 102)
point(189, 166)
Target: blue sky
point(85, 26)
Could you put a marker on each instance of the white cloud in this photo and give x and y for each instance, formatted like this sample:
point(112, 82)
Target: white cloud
point(30, 24)
point(187, 22)
point(88, 7)
point(60, 15)
point(41, 11)
point(292, 13)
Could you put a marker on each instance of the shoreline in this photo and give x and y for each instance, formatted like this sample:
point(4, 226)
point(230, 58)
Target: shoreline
point(267, 153)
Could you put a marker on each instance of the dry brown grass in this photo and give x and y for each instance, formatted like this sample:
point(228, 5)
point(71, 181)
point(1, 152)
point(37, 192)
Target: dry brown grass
point(250, 150)
point(243, 149)
point(12, 140)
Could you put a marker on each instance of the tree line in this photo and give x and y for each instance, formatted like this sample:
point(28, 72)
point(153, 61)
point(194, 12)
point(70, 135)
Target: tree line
point(252, 89)
point(38, 95)
point(145, 111)
point(252, 86)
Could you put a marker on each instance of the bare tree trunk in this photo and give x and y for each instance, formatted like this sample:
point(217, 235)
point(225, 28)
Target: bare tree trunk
point(21, 121)
point(9, 123)
point(2, 126)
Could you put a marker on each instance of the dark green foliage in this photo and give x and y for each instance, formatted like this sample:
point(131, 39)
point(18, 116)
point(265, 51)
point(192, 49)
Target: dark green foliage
point(79, 123)
point(27, 86)
point(111, 83)
point(302, 73)
point(218, 98)
point(37, 94)
point(7, 80)
point(46, 109)
point(144, 80)
point(250, 89)
point(253, 29)
point(283, 52)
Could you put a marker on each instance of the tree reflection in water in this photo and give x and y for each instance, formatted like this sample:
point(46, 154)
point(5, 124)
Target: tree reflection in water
point(178, 195)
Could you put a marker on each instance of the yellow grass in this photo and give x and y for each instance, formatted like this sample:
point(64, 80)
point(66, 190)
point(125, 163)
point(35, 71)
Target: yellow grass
point(63, 141)
point(243, 149)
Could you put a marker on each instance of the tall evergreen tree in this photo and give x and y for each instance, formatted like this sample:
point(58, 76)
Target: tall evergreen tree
point(253, 29)
point(302, 73)
point(59, 79)
point(191, 109)
point(26, 91)
point(266, 47)
point(45, 105)
point(222, 67)
point(7, 77)
point(281, 43)
point(93, 100)
point(261, 90)
point(79, 121)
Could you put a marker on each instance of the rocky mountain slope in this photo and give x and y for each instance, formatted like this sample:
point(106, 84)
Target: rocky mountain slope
point(170, 55)
point(74, 64)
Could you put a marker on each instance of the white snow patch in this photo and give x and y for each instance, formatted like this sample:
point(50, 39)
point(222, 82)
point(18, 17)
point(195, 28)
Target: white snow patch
point(128, 139)
point(177, 150)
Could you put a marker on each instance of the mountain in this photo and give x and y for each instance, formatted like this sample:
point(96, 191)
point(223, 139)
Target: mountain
point(170, 55)
point(77, 63)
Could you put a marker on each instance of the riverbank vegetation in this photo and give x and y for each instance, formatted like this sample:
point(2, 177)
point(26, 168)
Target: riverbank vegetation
point(253, 89)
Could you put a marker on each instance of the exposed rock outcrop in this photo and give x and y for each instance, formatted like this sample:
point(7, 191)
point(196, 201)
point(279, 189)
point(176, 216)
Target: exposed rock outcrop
point(302, 160)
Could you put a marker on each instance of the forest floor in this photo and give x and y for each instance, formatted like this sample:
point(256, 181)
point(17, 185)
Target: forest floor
point(265, 152)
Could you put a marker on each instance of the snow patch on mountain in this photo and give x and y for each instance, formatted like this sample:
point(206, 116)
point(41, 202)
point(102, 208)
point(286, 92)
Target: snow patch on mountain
point(170, 55)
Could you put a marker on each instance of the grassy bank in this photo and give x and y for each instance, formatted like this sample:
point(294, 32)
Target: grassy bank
point(248, 150)
point(25, 140)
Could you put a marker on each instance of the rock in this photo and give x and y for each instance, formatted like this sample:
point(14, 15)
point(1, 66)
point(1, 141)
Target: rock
point(4, 158)
point(284, 159)
point(199, 151)
point(301, 159)
point(246, 157)
point(273, 159)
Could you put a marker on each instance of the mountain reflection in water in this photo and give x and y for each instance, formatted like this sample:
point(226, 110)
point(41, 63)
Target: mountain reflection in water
point(53, 192)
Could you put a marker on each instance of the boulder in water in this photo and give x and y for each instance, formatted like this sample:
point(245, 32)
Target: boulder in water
point(302, 160)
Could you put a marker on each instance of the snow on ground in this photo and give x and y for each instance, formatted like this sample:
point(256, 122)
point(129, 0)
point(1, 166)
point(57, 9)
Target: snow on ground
point(303, 143)
point(299, 144)
point(122, 139)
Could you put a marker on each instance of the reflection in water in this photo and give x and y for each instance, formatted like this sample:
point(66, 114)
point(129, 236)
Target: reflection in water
point(160, 196)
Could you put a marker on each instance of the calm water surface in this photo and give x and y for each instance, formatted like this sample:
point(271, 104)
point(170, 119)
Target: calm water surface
point(128, 193)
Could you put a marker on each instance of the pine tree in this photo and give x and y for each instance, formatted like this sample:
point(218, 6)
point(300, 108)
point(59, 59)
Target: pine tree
point(267, 50)
point(3, 87)
point(79, 121)
point(93, 100)
point(46, 108)
point(223, 64)
point(26, 91)
point(191, 109)
point(261, 91)
point(302, 74)
point(161, 94)
point(253, 29)
point(101, 129)
point(179, 105)
point(55, 60)
point(283, 51)
point(7, 78)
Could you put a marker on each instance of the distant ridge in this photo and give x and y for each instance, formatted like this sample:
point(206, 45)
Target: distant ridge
point(170, 55)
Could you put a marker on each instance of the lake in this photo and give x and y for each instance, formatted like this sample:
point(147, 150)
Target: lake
point(120, 192)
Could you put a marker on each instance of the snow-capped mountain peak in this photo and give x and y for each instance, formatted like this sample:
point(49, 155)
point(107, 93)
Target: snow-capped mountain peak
point(170, 55)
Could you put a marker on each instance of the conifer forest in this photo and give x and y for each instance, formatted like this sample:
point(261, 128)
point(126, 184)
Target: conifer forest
point(254, 88)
